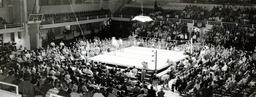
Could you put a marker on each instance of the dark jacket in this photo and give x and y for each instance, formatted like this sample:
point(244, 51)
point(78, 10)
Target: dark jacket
point(27, 89)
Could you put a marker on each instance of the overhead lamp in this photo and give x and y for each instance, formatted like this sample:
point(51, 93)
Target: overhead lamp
point(142, 18)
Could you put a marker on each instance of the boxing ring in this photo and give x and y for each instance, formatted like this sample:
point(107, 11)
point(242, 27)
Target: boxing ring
point(135, 56)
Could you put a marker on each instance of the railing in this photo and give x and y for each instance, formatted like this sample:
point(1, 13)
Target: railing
point(5, 26)
point(12, 85)
point(53, 21)
point(74, 19)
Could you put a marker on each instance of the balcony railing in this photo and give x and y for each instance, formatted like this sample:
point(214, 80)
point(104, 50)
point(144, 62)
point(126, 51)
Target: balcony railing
point(9, 93)
point(6, 26)
point(73, 19)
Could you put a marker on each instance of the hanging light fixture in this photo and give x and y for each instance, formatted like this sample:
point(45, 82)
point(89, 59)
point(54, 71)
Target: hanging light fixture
point(142, 18)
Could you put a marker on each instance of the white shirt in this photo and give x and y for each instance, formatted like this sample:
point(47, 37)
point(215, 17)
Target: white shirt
point(52, 91)
point(215, 67)
point(98, 95)
point(224, 68)
point(74, 94)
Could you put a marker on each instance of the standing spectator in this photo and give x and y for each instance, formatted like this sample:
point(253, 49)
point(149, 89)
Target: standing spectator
point(143, 74)
point(46, 86)
point(151, 92)
point(160, 93)
point(26, 87)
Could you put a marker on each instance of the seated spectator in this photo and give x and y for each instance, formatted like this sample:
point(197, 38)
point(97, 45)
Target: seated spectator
point(98, 93)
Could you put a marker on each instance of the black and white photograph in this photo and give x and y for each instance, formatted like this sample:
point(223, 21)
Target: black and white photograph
point(127, 48)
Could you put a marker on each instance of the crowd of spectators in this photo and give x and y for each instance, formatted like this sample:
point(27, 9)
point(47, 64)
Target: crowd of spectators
point(193, 12)
point(5, 50)
point(66, 70)
point(215, 70)
point(225, 13)
point(233, 2)
point(218, 13)
point(232, 35)
point(235, 29)
point(229, 14)
point(210, 69)
point(161, 28)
